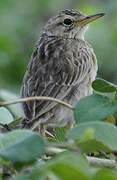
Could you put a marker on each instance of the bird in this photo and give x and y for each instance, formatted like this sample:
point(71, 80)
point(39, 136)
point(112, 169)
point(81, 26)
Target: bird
point(63, 65)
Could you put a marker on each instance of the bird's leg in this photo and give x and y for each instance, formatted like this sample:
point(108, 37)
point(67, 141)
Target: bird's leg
point(42, 129)
point(44, 132)
point(70, 124)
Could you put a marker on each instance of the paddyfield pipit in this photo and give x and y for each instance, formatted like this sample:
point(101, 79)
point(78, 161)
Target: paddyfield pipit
point(63, 65)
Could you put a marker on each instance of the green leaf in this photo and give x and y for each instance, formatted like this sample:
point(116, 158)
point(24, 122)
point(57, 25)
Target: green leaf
point(111, 119)
point(103, 86)
point(5, 116)
point(21, 177)
point(106, 174)
point(94, 108)
point(69, 166)
point(21, 146)
point(36, 175)
point(65, 166)
point(59, 133)
point(15, 123)
point(95, 136)
point(14, 109)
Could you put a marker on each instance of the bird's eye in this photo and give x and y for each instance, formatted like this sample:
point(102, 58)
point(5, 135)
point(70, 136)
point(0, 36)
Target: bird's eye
point(68, 22)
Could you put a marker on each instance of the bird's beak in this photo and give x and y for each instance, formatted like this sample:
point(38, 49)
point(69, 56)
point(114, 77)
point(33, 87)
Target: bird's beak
point(88, 19)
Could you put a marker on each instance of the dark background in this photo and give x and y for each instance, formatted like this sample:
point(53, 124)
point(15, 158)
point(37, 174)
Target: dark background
point(20, 25)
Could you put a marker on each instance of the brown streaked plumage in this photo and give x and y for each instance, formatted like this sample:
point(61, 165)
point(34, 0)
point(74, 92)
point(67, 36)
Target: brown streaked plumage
point(63, 66)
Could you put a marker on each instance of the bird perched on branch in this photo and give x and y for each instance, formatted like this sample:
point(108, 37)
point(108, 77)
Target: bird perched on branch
point(63, 66)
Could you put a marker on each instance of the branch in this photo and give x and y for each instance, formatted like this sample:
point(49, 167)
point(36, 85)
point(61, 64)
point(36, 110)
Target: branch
point(37, 98)
point(93, 161)
point(102, 162)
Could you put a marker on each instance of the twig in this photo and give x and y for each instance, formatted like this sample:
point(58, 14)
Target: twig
point(37, 98)
point(5, 126)
point(53, 150)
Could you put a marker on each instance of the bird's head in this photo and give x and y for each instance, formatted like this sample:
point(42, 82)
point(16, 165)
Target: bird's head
point(70, 24)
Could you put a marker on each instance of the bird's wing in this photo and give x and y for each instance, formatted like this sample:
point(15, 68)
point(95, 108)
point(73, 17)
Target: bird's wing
point(51, 72)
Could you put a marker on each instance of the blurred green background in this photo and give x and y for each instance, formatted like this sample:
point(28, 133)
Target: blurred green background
point(20, 25)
